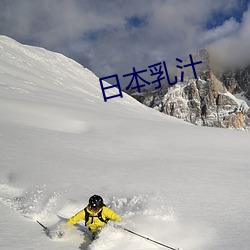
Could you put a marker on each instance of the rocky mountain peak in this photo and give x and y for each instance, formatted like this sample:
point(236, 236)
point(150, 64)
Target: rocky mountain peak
point(207, 100)
point(201, 69)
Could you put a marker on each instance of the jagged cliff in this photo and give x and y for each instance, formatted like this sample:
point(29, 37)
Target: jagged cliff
point(207, 100)
point(237, 81)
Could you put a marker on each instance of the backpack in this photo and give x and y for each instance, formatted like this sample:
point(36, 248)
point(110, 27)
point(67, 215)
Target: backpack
point(88, 216)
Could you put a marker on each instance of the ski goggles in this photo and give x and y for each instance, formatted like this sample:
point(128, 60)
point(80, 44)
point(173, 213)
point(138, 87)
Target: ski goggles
point(94, 208)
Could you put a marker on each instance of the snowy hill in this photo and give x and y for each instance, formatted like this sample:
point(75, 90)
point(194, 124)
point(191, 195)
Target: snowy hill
point(176, 183)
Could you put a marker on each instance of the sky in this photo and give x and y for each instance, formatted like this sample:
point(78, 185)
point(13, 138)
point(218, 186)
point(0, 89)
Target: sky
point(113, 36)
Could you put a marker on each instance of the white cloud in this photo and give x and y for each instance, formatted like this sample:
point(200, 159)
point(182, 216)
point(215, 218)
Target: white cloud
point(226, 29)
point(232, 50)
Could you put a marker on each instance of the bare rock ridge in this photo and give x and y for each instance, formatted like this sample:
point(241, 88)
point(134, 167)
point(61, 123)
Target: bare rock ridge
point(208, 100)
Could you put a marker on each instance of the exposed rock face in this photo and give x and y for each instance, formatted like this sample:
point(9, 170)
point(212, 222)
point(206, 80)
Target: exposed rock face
point(204, 101)
point(237, 81)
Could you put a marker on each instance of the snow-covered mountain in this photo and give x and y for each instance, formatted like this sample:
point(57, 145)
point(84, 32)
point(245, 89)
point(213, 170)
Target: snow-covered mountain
point(182, 185)
point(210, 100)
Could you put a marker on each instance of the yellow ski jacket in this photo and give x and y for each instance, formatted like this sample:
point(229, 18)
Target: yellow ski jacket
point(94, 223)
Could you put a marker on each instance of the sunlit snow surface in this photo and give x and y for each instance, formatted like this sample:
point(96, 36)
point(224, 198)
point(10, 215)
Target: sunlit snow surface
point(181, 185)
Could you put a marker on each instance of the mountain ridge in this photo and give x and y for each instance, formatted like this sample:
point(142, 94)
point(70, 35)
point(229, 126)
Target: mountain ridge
point(207, 100)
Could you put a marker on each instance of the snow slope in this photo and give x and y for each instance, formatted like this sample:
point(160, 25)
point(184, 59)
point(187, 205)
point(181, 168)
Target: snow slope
point(176, 183)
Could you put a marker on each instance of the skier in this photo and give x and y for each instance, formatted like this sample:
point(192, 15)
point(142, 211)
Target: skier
point(95, 214)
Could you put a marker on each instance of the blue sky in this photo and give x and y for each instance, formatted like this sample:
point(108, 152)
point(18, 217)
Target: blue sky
point(113, 36)
point(218, 17)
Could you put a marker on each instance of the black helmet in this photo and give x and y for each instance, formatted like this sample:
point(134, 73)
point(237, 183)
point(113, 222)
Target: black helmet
point(95, 202)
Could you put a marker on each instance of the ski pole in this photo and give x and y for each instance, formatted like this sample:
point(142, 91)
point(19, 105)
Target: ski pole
point(45, 228)
point(146, 238)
